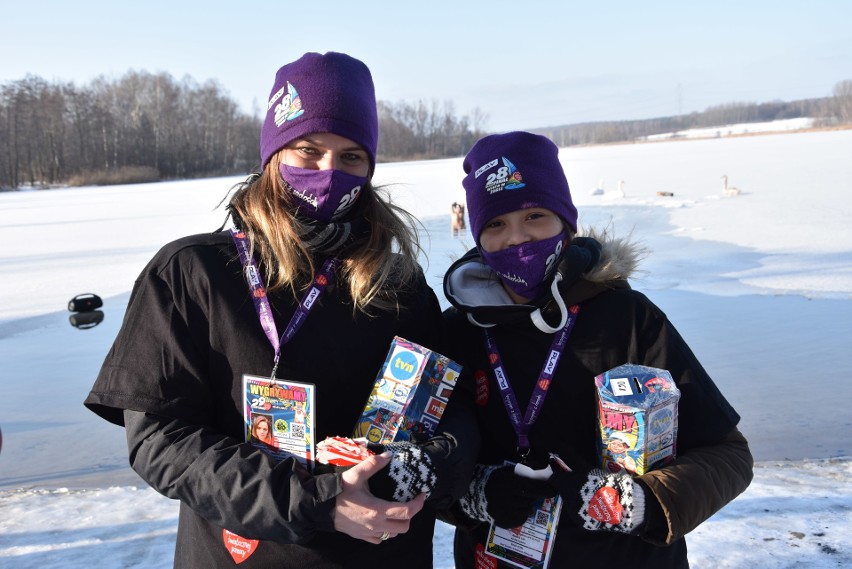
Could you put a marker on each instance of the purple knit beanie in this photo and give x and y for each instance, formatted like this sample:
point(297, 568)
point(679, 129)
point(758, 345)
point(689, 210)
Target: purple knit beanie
point(516, 170)
point(330, 92)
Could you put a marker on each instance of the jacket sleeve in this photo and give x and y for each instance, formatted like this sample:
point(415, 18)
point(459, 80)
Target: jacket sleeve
point(459, 425)
point(695, 486)
point(228, 482)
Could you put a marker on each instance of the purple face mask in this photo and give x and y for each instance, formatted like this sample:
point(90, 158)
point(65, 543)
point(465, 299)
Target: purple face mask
point(323, 195)
point(525, 268)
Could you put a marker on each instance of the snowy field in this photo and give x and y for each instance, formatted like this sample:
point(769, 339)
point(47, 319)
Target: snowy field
point(785, 125)
point(759, 284)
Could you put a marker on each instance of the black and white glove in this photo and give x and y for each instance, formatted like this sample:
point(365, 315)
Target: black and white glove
point(598, 500)
point(497, 494)
point(414, 468)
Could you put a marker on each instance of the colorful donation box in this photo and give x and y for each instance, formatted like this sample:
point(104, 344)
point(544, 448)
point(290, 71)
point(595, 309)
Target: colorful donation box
point(637, 414)
point(409, 395)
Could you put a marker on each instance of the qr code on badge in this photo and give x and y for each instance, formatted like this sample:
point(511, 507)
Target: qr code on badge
point(541, 518)
point(297, 430)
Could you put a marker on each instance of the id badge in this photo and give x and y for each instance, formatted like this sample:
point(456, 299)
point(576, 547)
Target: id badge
point(529, 545)
point(279, 417)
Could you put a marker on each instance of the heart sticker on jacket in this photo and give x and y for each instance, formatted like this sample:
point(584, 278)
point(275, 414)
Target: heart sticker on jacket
point(240, 548)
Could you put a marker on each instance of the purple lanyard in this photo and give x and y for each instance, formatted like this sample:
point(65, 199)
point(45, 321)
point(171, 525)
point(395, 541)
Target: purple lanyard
point(261, 303)
point(523, 426)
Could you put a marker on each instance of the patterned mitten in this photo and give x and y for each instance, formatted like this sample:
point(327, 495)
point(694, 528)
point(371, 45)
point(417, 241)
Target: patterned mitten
point(598, 500)
point(497, 494)
point(409, 473)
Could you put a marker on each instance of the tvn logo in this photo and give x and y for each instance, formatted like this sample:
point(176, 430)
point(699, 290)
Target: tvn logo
point(406, 367)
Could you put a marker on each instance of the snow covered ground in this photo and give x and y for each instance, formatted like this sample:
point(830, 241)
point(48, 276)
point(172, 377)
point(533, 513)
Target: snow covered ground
point(759, 284)
point(785, 125)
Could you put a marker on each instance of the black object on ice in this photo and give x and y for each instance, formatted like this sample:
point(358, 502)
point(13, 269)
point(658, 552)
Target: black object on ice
point(85, 302)
point(83, 320)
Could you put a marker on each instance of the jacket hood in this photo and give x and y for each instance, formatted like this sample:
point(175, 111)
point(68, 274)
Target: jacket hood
point(594, 262)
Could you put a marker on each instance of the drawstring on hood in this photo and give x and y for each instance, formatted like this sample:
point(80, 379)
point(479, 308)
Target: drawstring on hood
point(592, 263)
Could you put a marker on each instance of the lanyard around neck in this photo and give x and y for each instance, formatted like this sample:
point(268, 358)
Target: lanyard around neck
point(522, 425)
point(261, 302)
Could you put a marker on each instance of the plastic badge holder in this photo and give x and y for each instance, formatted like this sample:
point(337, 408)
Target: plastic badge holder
point(637, 416)
point(530, 545)
point(409, 395)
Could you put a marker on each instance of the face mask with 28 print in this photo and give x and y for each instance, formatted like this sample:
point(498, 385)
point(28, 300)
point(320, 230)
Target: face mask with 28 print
point(323, 195)
point(525, 268)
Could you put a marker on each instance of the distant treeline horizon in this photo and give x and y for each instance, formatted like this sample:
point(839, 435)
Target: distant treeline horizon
point(145, 127)
point(826, 111)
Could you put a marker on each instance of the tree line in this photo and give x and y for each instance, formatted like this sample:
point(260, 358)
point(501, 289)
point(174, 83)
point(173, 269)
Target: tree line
point(426, 130)
point(140, 125)
point(145, 127)
point(828, 111)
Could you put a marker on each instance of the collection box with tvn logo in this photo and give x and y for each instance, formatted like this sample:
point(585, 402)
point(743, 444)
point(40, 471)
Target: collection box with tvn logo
point(409, 395)
point(406, 404)
point(637, 416)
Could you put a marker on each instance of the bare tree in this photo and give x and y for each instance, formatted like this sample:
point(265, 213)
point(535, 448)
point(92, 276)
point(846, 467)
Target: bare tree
point(842, 101)
point(140, 122)
point(424, 130)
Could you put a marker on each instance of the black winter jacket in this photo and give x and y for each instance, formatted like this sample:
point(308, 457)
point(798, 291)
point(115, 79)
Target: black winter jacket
point(173, 377)
point(615, 325)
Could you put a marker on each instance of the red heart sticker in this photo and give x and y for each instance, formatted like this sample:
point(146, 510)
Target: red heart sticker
point(240, 548)
point(482, 559)
point(605, 506)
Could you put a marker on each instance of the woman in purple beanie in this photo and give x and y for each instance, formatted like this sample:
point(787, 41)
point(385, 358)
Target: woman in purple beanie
point(304, 294)
point(538, 312)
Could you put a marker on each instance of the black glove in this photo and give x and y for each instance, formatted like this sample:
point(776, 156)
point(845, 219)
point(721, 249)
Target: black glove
point(598, 500)
point(500, 496)
point(414, 468)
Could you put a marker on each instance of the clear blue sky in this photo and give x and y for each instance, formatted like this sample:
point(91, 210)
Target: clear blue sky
point(526, 64)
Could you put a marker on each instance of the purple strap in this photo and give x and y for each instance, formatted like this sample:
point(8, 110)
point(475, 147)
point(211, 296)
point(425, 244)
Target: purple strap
point(523, 425)
point(261, 303)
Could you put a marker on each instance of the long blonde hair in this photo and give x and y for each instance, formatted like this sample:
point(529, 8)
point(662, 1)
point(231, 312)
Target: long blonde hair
point(376, 268)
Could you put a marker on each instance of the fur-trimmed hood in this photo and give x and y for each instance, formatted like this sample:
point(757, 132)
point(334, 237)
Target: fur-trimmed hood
point(594, 261)
point(619, 257)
